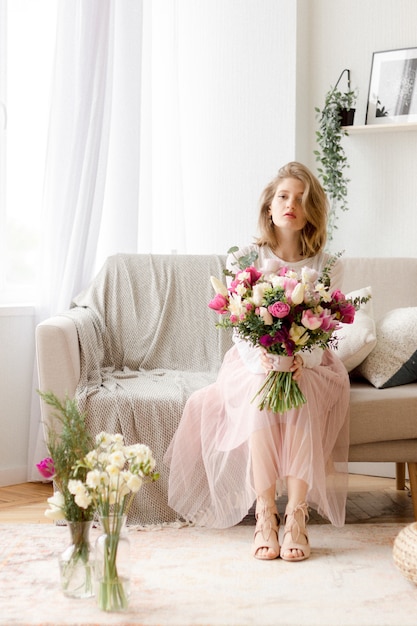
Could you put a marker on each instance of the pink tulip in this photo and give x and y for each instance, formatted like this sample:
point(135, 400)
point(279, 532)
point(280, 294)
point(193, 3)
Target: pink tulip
point(328, 323)
point(46, 467)
point(310, 320)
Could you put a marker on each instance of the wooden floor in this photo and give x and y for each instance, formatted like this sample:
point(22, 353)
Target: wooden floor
point(370, 499)
point(25, 503)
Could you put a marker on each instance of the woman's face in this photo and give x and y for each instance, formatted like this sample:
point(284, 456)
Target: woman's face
point(286, 207)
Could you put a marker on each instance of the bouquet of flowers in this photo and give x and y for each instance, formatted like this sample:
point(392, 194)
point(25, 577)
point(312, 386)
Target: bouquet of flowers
point(283, 313)
point(114, 473)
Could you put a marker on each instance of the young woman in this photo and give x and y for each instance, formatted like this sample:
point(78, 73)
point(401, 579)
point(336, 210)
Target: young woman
point(226, 452)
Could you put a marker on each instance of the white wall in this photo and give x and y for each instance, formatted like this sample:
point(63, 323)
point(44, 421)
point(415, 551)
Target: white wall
point(17, 349)
point(245, 65)
point(265, 66)
point(382, 218)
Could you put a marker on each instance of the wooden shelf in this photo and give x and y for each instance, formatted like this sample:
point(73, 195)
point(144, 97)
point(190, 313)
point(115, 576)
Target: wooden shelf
point(380, 128)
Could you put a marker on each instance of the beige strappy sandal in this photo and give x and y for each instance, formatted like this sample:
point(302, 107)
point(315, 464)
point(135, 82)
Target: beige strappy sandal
point(266, 530)
point(295, 526)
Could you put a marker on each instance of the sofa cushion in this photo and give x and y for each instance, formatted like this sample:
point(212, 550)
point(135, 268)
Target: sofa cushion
point(357, 340)
point(393, 361)
point(381, 415)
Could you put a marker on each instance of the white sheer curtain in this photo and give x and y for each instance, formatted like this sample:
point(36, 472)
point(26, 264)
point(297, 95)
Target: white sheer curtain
point(152, 104)
point(77, 152)
point(76, 162)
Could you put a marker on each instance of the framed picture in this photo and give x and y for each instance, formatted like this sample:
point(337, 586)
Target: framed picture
point(392, 96)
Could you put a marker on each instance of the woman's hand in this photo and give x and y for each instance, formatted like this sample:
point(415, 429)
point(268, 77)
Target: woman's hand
point(297, 367)
point(269, 360)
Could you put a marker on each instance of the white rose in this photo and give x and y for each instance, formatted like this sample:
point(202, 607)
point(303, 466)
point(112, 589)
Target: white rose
point(259, 292)
point(56, 507)
point(309, 275)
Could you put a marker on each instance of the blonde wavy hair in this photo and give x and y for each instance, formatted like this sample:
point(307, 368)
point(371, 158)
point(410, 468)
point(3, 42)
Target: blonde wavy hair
point(315, 206)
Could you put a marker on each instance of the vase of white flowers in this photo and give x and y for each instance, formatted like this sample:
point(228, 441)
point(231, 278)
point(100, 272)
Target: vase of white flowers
point(114, 473)
point(112, 564)
point(66, 444)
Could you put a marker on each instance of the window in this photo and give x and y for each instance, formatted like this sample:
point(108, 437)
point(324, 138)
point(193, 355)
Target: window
point(27, 39)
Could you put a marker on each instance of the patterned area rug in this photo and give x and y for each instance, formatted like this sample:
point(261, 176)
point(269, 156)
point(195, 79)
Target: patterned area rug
point(200, 577)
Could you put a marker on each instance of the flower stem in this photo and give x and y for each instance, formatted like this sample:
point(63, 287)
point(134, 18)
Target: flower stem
point(111, 593)
point(280, 393)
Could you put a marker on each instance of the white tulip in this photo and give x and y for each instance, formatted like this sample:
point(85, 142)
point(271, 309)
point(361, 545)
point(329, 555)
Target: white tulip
point(297, 295)
point(218, 286)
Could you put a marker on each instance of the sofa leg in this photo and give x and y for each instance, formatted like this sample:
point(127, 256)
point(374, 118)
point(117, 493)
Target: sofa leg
point(400, 475)
point(412, 471)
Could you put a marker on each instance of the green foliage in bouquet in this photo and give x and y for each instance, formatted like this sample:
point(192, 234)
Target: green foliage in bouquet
point(67, 444)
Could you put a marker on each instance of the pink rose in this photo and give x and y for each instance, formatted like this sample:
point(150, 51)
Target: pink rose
point(46, 467)
point(248, 281)
point(344, 309)
point(219, 304)
point(347, 313)
point(338, 296)
point(279, 309)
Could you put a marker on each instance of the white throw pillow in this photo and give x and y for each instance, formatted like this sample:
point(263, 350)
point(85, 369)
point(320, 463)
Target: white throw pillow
point(394, 360)
point(357, 340)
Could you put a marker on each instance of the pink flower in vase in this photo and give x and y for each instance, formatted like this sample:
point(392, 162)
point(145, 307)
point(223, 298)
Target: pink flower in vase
point(46, 467)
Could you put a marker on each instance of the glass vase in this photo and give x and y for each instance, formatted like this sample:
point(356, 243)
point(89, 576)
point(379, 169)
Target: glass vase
point(112, 565)
point(75, 563)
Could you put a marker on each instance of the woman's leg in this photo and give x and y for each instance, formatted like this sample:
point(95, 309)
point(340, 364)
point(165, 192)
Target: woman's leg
point(265, 543)
point(297, 492)
point(295, 546)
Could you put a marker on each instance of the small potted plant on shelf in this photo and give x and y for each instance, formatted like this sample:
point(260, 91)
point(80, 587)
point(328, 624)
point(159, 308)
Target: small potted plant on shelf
point(337, 113)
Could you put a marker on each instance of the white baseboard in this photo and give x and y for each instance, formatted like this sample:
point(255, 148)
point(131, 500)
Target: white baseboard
point(384, 470)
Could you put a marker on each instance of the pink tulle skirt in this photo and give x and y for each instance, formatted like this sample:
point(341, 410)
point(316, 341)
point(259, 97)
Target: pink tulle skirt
point(226, 451)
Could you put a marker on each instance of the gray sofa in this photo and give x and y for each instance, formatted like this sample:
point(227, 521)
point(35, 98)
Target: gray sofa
point(141, 338)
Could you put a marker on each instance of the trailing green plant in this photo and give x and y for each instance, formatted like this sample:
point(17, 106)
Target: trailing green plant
point(331, 155)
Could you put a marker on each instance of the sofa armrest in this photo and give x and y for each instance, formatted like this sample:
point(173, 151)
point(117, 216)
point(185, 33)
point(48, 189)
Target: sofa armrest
point(58, 360)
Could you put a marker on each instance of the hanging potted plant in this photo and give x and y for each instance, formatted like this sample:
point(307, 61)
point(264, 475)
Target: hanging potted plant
point(337, 113)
